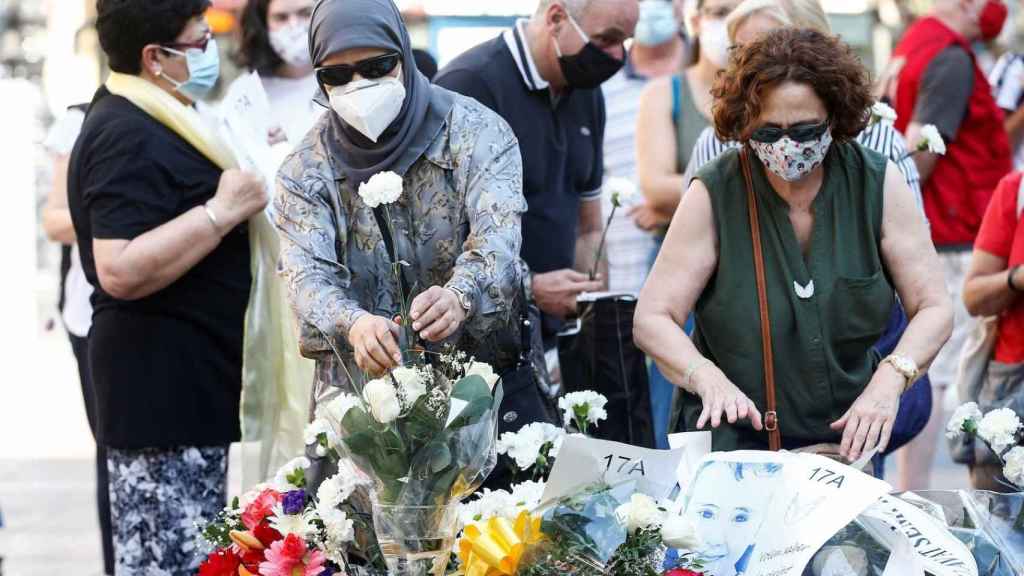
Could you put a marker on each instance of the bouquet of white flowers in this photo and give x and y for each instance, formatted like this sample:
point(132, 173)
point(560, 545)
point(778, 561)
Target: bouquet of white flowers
point(1001, 429)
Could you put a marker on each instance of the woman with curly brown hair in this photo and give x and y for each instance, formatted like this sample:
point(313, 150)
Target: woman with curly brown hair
point(837, 229)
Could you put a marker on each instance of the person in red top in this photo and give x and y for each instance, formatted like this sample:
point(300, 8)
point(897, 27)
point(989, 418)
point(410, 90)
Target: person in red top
point(994, 285)
point(936, 80)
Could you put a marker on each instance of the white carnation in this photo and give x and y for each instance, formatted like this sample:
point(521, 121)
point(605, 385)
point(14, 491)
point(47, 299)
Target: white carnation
point(1014, 469)
point(931, 140)
point(621, 191)
point(882, 112)
point(525, 445)
point(281, 482)
point(382, 398)
point(680, 533)
point(964, 413)
point(340, 528)
point(381, 188)
point(640, 513)
point(527, 495)
point(300, 524)
point(588, 402)
point(485, 371)
point(999, 428)
point(488, 504)
point(311, 434)
point(337, 489)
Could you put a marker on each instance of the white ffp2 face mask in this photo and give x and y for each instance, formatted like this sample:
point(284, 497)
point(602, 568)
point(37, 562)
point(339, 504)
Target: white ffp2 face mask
point(369, 106)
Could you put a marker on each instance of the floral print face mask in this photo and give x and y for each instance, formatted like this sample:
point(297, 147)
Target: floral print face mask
point(791, 160)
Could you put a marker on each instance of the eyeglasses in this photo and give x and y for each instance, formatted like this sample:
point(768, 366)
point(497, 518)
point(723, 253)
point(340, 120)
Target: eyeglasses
point(183, 46)
point(804, 132)
point(371, 68)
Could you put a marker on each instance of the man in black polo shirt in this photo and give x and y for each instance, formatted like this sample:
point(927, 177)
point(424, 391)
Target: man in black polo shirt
point(543, 77)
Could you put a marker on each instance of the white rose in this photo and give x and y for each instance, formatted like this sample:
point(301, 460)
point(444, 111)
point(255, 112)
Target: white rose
point(932, 140)
point(621, 191)
point(640, 513)
point(999, 428)
point(413, 382)
point(882, 112)
point(587, 400)
point(485, 371)
point(383, 400)
point(1014, 469)
point(381, 188)
point(965, 413)
point(680, 533)
point(337, 407)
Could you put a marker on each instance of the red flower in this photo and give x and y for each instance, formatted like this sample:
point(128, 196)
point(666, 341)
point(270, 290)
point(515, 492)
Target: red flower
point(220, 563)
point(261, 507)
point(252, 559)
point(682, 572)
point(265, 534)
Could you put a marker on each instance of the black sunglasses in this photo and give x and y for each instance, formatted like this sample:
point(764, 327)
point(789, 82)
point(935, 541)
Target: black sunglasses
point(799, 133)
point(371, 68)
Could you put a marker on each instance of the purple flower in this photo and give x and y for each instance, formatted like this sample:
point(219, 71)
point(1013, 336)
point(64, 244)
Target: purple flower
point(294, 502)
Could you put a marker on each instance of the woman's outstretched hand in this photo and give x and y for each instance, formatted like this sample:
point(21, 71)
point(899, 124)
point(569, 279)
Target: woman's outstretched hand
point(722, 397)
point(868, 423)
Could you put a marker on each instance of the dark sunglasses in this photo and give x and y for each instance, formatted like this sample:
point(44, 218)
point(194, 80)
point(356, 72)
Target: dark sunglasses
point(371, 69)
point(799, 133)
point(183, 46)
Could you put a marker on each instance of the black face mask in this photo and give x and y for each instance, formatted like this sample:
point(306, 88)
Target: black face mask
point(589, 68)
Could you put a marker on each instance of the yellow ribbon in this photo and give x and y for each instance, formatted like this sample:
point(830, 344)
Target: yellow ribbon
point(495, 547)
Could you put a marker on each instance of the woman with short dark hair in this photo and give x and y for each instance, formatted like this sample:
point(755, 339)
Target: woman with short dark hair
point(159, 213)
point(275, 44)
point(838, 229)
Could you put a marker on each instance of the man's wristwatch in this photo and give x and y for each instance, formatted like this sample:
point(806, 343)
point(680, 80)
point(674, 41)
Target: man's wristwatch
point(464, 300)
point(905, 366)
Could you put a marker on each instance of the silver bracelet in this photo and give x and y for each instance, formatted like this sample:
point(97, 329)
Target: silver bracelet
point(212, 216)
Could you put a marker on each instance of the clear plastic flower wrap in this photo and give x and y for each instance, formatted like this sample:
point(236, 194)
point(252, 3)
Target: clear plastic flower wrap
point(425, 433)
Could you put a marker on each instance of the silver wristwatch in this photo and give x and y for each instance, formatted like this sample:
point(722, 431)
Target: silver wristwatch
point(905, 366)
point(464, 300)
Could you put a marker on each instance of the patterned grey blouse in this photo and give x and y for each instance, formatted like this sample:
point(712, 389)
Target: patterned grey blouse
point(457, 223)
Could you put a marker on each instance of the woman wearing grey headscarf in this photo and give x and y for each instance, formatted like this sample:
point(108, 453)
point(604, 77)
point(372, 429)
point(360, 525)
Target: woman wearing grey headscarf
point(456, 224)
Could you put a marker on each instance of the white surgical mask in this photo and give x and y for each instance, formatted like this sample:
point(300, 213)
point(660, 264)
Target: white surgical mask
point(291, 43)
point(369, 106)
point(714, 41)
point(792, 160)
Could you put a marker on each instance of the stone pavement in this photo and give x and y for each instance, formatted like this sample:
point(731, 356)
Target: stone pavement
point(46, 475)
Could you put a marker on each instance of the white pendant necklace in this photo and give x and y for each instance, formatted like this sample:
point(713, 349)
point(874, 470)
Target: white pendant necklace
point(804, 292)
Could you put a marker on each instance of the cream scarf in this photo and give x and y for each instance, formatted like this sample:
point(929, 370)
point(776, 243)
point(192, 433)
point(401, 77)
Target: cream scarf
point(166, 109)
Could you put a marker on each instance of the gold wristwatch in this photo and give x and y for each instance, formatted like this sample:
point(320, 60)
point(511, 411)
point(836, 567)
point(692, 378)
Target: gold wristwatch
point(905, 366)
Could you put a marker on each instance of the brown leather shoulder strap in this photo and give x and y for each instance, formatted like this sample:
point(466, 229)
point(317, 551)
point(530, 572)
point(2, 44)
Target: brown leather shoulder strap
point(771, 415)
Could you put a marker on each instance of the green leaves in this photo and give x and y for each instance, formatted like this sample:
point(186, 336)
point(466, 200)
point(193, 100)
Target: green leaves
point(477, 394)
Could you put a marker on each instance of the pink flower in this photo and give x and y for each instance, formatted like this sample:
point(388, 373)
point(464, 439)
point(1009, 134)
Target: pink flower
point(261, 507)
point(291, 557)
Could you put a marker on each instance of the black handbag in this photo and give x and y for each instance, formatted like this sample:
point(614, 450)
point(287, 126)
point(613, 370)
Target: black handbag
point(525, 400)
point(597, 352)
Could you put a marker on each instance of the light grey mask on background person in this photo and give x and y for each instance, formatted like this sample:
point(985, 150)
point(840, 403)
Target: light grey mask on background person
point(369, 106)
point(291, 43)
point(714, 41)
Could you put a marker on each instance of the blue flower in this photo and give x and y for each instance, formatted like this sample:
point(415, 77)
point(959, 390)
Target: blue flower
point(294, 502)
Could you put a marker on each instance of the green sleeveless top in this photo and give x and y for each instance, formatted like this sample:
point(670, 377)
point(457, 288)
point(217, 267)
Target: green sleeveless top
point(684, 107)
point(822, 336)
